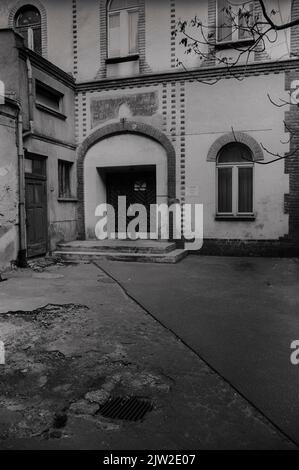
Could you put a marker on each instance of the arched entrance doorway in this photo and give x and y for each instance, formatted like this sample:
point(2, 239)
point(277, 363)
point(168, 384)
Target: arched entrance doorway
point(124, 159)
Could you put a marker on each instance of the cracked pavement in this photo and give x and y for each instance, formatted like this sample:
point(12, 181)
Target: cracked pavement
point(73, 338)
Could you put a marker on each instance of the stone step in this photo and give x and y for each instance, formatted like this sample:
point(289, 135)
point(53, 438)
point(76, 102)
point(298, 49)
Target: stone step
point(85, 256)
point(121, 246)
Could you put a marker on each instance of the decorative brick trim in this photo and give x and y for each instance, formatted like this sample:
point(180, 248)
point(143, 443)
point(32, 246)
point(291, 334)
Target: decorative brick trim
point(44, 24)
point(292, 162)
point(242, 138)
point(173, 36)
point(182, 108)
point(77, 117)
point(295, 29)
point(164, 106)
point(75, 37)
point(84, 115)
point(202, 73)
point(115, 129)
point(143, 66)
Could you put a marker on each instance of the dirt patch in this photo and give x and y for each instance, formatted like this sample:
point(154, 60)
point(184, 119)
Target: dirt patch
point(60, 363)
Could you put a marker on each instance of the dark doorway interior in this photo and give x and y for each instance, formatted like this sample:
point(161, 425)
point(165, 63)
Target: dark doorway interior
point(138, 184)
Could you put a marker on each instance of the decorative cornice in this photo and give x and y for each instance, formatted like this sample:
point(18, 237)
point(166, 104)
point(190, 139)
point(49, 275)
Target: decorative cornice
point(200, 74)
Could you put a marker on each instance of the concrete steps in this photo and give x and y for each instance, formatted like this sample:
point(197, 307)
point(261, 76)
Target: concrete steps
point(143, 251)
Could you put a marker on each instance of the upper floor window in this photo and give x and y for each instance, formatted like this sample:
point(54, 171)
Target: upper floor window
point(235, 180)
point(122, 28)
point(234, 20)
point(48, 99)
point(28, 23)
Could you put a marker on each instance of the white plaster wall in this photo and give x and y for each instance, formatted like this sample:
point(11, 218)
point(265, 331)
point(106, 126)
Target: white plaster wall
point(60, 36)
point(211, 112)
point(186, 10)
point(88, 39)
point(157, 19)
point(117, 151)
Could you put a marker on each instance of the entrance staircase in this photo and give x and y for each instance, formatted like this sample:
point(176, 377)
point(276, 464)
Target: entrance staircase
point(144, 251)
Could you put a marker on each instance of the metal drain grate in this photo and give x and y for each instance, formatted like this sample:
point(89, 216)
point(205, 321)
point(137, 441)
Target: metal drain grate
point(130, 408)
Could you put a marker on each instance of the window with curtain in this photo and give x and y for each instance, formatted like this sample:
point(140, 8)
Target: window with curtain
point(64, 179)
point(122, 28)
point(235, 180)
point(28, 23)
point(234, 20)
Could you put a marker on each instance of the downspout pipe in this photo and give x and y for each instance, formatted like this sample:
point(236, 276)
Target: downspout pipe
point(30, 94)
point(22, 253)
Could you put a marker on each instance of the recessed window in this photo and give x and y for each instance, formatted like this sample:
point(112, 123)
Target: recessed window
point(122, 28)
point(235, 180)
point(64, 179)
point(28, 23)
point(35, 165)
point(234, 20)
point(48, 97)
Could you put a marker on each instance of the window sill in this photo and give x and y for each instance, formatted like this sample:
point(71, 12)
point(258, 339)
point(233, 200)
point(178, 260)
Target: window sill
point(236, 218)
point(67, 199)
point(234, 44)
point(45, 109)
point(117, 60)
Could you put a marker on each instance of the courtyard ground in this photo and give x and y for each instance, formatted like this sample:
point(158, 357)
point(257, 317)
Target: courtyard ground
point(74, 338)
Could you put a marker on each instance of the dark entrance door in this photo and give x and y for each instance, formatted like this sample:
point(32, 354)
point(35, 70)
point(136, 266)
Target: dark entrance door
point(139, 187)
point(36, 211)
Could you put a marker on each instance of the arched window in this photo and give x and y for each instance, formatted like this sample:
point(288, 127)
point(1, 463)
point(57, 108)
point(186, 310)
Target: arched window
point(28, 23)
point(235, 180)
point(122, 28)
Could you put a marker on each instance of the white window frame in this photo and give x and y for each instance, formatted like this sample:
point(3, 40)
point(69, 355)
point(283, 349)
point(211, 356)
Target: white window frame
point(235, 189)
point(235, 34)
point(124, 31)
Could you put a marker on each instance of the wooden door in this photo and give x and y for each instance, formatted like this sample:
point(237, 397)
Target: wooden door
point(36, 216)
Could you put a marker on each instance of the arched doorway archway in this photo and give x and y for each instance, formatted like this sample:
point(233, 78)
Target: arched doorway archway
point(150, 147)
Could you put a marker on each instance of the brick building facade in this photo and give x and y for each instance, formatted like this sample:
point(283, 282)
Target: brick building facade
point(139, 114)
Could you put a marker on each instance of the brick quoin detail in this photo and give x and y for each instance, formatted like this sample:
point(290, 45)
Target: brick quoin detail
point(242, 138)
point(292, 164)
point(123, 127)
point(172, 38)
point(44, 24)
point(295, 30)
point(75, 38)
point(291, 205)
